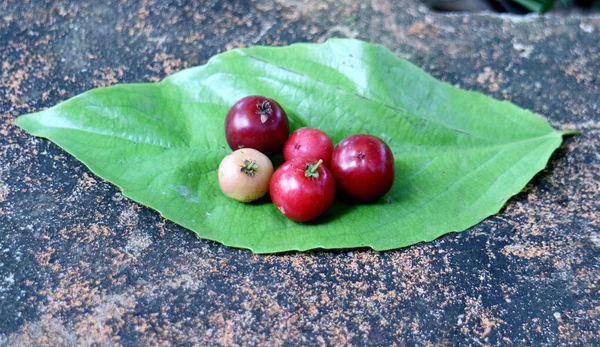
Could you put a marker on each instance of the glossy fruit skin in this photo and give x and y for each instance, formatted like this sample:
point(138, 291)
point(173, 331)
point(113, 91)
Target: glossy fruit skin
point(298, 197)
point(241, 185)
point(309, 143)
point(257, 122)
point(363, 167)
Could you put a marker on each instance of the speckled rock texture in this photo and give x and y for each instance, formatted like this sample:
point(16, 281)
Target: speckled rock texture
point(82, 265)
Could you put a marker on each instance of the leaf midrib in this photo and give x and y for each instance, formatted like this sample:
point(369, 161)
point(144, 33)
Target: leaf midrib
point(407, 154)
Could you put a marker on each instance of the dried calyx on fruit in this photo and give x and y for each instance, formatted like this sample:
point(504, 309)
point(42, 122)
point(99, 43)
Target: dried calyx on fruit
point(257, 122)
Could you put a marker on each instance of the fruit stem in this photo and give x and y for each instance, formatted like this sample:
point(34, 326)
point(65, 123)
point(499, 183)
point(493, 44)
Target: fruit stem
point(311, 169)
point(249, 167)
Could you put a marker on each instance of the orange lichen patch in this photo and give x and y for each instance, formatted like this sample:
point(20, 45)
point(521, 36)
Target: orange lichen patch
point(107, 76)
point(84, 234)
point(475, 311)
point(567, 331)
point(46, 331)
point(304, 8)
point(412, 270)
point(579, 69)
point(162, 227)
point(100, 230)
point(489, 78)
point(528, 251)
point(235, 43)
point(100, 325)
point(105, 320)
point(487, 324)
point(15, 74)
point(167, 63)
point(120, 258)
point(43, 257)
point(72, 292)
point(423, 30)
point(226, 335)
point(196, 37)
point(87, 181)
point(594, 313)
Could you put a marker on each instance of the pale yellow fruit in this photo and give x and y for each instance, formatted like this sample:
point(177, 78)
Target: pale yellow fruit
point(245, 174)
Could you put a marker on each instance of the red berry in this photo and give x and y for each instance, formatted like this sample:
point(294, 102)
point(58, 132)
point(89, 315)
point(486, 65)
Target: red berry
point(302, 189)
point(363, 167)
point(309, 143)
point(257, 122)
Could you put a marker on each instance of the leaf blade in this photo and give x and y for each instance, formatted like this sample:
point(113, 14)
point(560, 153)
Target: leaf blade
point(166, 141)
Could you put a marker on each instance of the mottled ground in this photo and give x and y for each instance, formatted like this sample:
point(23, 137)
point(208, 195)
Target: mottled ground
point(82, 265)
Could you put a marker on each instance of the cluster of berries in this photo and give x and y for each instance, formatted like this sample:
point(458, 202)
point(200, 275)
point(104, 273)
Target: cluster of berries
point(304, 186)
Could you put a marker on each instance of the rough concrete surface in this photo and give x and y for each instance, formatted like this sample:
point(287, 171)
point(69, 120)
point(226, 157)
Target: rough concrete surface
point(82, 265)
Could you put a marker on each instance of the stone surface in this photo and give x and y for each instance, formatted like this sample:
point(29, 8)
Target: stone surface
point(81, 265)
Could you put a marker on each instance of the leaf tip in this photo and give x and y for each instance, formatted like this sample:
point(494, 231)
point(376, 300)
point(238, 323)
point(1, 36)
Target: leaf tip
point(22, 121)
point(570, 132)
point(25, 122)
point(19, 121)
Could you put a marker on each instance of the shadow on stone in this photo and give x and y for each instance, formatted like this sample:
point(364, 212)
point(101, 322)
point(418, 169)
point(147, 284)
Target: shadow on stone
point(537, 180)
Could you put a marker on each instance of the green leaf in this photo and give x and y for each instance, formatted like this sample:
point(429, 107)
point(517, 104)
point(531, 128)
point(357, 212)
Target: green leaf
point(539, 6)
point(459, 155)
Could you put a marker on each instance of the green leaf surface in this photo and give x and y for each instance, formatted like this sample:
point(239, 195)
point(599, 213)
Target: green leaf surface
point(539, 6)
point(459, 155)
